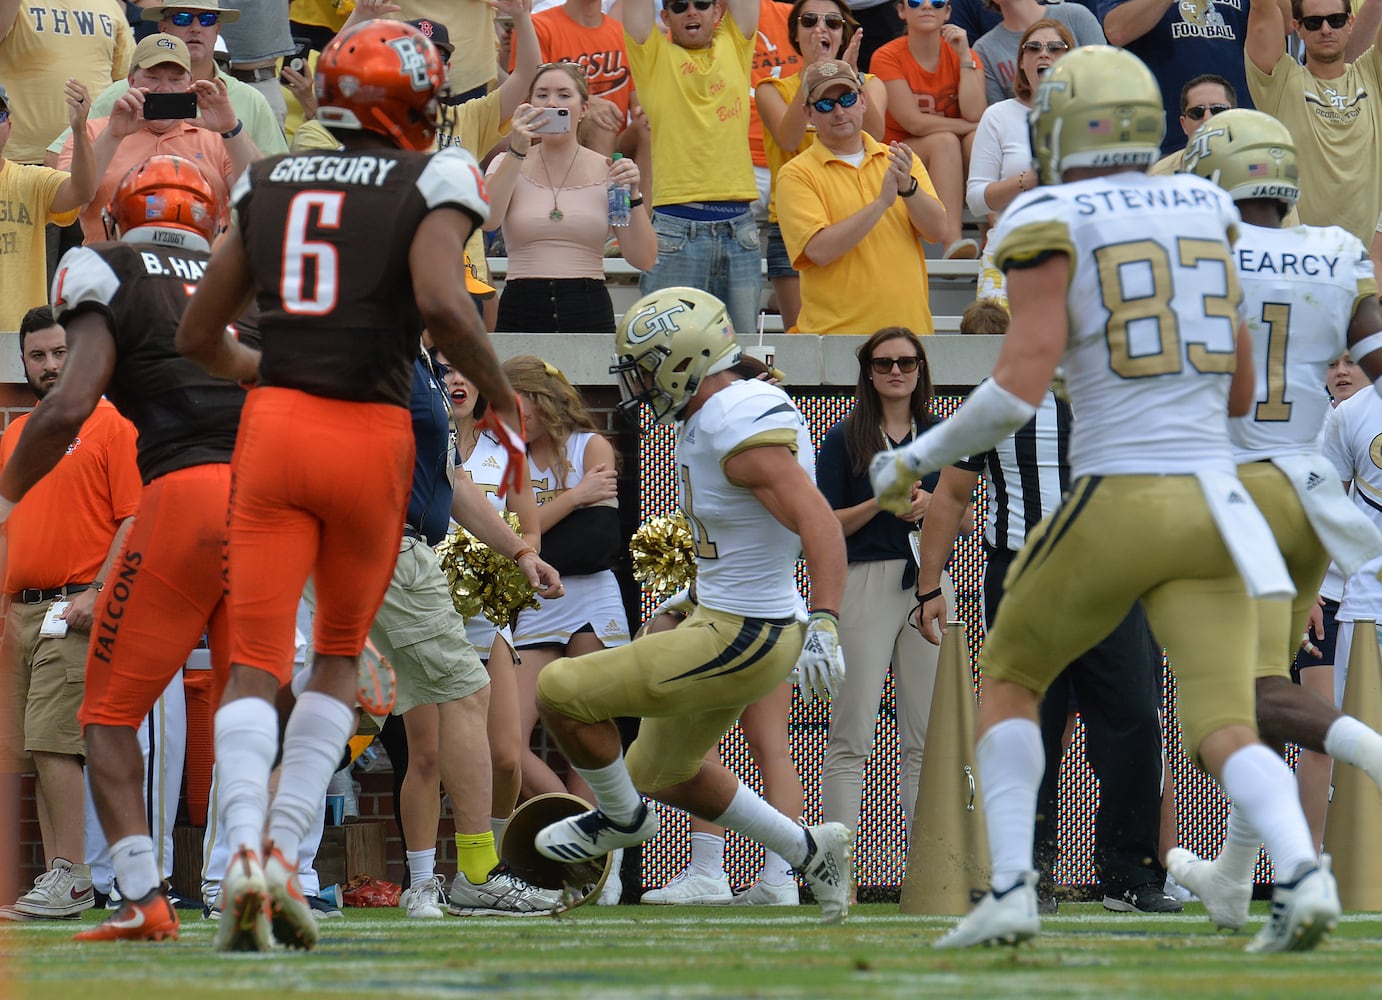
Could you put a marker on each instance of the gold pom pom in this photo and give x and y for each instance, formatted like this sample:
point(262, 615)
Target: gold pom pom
point(481, 581)
point(664, 554)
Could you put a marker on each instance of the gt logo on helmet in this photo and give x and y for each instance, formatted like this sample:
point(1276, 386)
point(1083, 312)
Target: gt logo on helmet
point(658, 321)
point(1200, 145)
point(412, 60)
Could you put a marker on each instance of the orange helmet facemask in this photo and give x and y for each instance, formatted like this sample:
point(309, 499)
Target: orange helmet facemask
point(383, 77)
point(166, 191)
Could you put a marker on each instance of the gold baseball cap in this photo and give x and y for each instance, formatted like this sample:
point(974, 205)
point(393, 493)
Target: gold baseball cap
point(155, 50)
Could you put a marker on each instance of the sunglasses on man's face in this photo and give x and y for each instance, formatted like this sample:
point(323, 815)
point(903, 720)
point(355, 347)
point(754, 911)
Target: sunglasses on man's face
point(881, 366)
point(1197, 112)
point(1055, 48)
point(832, 21)
point(933, 4)
point(1315, 21)
point(682, 6)
point(183, 18)
point(827, 104)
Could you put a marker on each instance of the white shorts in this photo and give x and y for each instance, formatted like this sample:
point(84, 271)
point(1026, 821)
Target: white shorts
point(592, 601)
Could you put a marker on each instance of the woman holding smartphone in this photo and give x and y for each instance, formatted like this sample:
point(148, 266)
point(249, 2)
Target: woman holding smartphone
point(551, 196)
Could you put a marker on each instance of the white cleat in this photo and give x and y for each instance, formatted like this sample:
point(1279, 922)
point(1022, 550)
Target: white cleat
point(591, 835)
point(1302, 912)
point(1225, 902)
point(1009, 917)
point(424, 900)
point(691, 889)
point(829, 869)
point(289, 912)
point(244, 926)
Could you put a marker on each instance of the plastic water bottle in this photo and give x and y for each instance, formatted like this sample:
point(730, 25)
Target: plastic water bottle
point(619, 198)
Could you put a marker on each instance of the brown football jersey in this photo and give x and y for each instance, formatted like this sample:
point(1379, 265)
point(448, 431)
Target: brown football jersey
point(328, 235)
point(184, 416)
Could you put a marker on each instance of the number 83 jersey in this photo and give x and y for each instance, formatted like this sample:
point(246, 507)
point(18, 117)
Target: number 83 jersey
point(1301, 287)
point(328, 234)
point(1154, 309)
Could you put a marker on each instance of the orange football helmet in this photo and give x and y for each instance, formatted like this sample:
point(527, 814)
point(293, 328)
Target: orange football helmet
point(384, 77)
point(166, 191)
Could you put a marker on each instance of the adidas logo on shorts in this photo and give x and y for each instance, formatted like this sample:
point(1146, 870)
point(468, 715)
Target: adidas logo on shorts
point(613, 628)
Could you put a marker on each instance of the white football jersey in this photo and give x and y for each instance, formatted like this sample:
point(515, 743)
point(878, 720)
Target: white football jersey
point(1153, 316)
point(1353, 443)
point(745, 558)
point(486, 466)
point(1300, 289)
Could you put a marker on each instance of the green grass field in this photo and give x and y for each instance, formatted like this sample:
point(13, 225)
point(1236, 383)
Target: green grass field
point(632, 951)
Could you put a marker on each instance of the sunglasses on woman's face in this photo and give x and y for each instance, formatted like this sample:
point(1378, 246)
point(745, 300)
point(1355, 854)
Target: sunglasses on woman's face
point(832, 21)
point(681, 6)
point(1315, 21)
point(882, 366)
point(1197, 112)
point(1055, 48)
point(183, 18)
point(827, 104)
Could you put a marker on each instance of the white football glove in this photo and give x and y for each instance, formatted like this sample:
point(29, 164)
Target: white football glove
point(820, 668)
point(892, 477)
point(680, 603)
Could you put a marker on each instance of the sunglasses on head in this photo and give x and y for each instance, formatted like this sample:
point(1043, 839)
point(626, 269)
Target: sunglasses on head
point(681, 6)
point(832, 21)
point(827, 104)
point(933, 4)
point(183, 18)
point(1197, 112)
point(1315, 21)
point(1055, 48)
point(881, 366)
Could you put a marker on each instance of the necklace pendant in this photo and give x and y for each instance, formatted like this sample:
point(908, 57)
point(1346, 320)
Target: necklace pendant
point(555, 215)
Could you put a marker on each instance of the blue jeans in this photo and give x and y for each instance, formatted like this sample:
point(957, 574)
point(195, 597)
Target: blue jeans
point(723, 258)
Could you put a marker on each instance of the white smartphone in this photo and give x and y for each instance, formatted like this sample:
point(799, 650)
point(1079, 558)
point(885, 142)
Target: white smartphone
point(554, 121)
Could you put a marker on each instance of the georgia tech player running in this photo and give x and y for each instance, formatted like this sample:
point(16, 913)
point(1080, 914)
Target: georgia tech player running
point(351, 252)
point(121, 303)
point(747, 485)
point(1128, 281)
point(1308, 292)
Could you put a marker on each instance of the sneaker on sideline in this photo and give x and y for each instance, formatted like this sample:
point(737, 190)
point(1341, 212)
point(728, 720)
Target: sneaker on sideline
point(149, 919)
point(1225, 902)
point(289, 911)
point(424, 900)
point(502, 894)
point(829, 869)
point(322, 908)
point(1150, 897)
point(63, 892)
point(1303, 912)
point(245, 926)
point(1009, 917)
point(765, 894)
point(591, 835)
point(690, 888)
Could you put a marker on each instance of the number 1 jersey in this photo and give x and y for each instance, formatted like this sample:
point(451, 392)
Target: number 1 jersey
point(328, 234)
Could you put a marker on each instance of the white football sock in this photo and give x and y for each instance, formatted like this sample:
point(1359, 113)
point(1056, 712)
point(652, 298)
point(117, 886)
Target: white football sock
point(708, 855)
point(496, 826)
point(1353, 743)
point(1263, 787)
point(246, 738)
point(750, 814)
point(1011, 763)
point(317, 732)
point(776, 870)
point(614, 791)
point(422, 866)
point(1242, 845)
point(135, 867)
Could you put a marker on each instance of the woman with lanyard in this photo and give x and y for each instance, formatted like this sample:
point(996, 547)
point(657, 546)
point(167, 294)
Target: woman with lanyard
point(892, 405)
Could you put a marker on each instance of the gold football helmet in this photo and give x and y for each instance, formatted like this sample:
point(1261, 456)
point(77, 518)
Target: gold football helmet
point(666, 343)
point(1097, 107)
point(1247, 153)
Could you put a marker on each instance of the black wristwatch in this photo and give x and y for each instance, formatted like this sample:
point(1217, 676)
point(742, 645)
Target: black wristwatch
point(910, 191)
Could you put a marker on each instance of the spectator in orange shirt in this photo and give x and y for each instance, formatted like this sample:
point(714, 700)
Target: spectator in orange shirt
point(935, 99)
point(579, 31)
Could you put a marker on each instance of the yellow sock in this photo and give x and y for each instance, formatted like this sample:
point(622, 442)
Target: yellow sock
point(475, 856)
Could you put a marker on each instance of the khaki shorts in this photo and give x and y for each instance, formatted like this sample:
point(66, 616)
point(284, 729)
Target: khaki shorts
point(1116, 540)
point(1279, 624)
point(45, 682)
point(688, 685)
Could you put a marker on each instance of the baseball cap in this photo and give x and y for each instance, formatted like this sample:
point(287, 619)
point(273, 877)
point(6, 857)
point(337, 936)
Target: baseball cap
point(155, 50)
point(819, 77)
point(473, 284)
point(436, 32)
point(228, 14)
